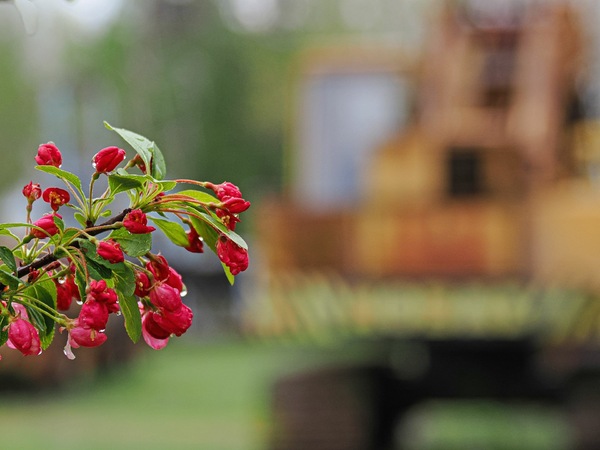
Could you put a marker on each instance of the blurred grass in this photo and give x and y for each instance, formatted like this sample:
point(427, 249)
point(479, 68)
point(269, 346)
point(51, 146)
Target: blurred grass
point(188, 396)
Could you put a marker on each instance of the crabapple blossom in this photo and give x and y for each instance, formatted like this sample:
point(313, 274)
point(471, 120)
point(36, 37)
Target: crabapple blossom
point(47, 224)
point(232, 255)
point(56, 197)
point(49, 155)
point(136, 222)
point(110, 250)
point(107, 159)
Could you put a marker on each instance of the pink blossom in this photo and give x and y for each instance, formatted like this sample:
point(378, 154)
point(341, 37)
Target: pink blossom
point(23, 336)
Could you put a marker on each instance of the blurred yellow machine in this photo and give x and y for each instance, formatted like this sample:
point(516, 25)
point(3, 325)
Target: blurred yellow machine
point(486, 174)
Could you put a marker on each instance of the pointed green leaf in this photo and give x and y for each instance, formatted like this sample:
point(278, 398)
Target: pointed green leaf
point(132, 244)
point(172, 230)
point(159, 168)
point(132, 316)
point(203, 197)
point(91, 253)
point(45, 292)
point(60, 224)
point(80, 219)
point(210, 236)
point(214, 221)
point(144, 147)
point(96, 270)
point(124, 278)
point(5, 226)
point(3, 332)
point(121, 183)
point(230, 277)
point(67, 177)
point(69, 234)
point(7, 278)
point(8, 258)
point(208, 233)
point(124, 284)
point(9, 233)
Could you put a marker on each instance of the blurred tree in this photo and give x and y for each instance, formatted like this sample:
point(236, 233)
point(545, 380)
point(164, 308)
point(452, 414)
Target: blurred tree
point(18, 113)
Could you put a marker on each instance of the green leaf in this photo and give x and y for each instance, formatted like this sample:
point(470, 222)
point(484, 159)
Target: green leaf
point(132, 244)
point(159, 168)
point(81, 219)
point(69, 234)
point(203, 197)
point(172, 230)
point(67, 177)
point(124, 284)
point(122, 183)
point(210, 236)
point(8, 279)
point(45, 292)
point(5, 226)
point(208, 233)
point(3, 332)
point(147, 150)
point(132, 316)
point(60, 224)
point(166, 185)
point(124, 279)
point(98, 268)
point(80, 279)
point(8, 258)
point(9, 233)
point(228, 274)
point(217, 224)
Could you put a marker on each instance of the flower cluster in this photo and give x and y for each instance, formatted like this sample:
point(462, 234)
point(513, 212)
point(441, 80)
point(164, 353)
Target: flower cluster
point(72, 279)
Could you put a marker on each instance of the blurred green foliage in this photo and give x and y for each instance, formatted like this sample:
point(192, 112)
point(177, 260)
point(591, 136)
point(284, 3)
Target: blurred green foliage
point(212, 97)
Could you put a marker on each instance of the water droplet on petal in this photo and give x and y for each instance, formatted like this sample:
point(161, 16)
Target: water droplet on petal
point(184, 291)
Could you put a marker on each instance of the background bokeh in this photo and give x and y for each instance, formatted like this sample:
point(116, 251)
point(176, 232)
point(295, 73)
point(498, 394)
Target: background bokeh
point(322, 340)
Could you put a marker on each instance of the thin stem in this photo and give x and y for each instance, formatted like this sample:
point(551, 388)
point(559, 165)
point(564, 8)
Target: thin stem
point(32, 303)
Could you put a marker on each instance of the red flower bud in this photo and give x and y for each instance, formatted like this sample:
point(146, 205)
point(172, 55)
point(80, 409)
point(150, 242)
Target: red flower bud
point(47, 224)
point(136, 222)
point(175, 322)
point(142, 284)
point(107, 159)
point(99, 291)
point(159, 267)
point(174, 280)
point(66, 291)
point(225, 190)
point(111, 251)
point(165, 297)
point(195, 244)
point(93, 314)
point(56, 197)
point(153, 335)
point(49, 155)
point(228, 219)
point(23, 336)
point(232, 255)
point(235, 205)
point(86, 337)
point(32, 192)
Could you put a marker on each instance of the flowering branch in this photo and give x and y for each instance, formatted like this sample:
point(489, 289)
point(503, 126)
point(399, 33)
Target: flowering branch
point(52, 265)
